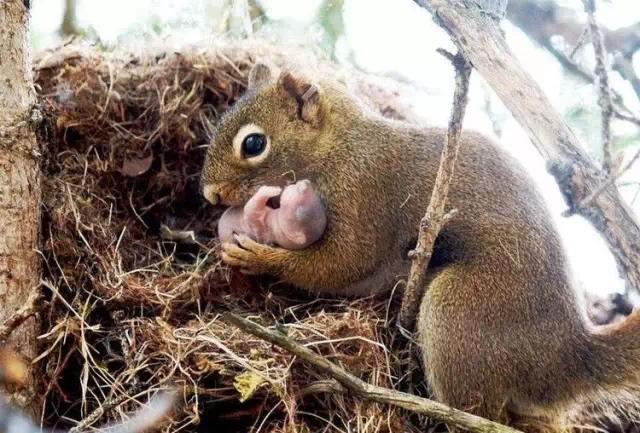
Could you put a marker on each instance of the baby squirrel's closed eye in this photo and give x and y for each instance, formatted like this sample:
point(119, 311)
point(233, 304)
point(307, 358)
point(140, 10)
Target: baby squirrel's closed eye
point(294, 222)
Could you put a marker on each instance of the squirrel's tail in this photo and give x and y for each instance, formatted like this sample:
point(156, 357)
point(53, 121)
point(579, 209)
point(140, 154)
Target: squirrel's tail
point(612, 373)
point(616, 350)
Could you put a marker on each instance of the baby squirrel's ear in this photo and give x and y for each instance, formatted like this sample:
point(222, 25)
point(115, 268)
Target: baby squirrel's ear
point(260, 74)
point(305, 95)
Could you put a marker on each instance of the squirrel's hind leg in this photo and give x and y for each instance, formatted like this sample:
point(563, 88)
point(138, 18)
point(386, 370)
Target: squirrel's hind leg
point(468, 350)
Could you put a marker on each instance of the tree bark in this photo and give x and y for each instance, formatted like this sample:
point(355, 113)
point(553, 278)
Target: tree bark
point(479, 38)
point(19, 186)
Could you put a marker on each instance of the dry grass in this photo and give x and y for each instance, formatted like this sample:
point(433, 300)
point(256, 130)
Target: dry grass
point(132, 274)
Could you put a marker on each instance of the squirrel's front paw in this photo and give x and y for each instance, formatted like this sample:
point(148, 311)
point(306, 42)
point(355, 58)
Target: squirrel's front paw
point(250, 256)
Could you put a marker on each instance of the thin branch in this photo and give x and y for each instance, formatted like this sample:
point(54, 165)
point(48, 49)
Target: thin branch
point(620, 110)
point(627, 115)
point(90, 419)
point(435, 217)
point(542, 20)
point(604, 90)
point(20, 316)
point(588, 199)
point(13, 371)
point(623, 64)
point(441, 412)
point(151, 415)
point(582, 39)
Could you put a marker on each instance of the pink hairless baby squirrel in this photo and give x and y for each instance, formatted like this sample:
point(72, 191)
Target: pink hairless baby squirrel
point(299, 221)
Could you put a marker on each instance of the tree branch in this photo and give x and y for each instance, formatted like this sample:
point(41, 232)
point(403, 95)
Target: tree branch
point(433, 409)
point(481, 41)
point(435, 217)
point(604, 91)
point(543, 20)
point(612, 178)
point(19, 317)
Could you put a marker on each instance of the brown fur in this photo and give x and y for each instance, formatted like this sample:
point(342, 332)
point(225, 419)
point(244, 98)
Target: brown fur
point(500, 328)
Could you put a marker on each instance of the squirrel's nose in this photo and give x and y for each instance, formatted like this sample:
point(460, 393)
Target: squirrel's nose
point(211, 194)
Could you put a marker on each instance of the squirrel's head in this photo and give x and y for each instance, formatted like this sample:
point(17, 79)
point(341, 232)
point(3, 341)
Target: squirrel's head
point(267, 137)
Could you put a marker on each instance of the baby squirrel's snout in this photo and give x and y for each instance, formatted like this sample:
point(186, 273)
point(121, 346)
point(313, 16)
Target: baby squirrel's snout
point(303, 185)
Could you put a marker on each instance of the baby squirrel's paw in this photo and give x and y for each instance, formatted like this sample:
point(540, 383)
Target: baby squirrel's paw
point(252, 257)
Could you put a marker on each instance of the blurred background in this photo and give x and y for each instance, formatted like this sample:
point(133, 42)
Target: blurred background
point(397, 39)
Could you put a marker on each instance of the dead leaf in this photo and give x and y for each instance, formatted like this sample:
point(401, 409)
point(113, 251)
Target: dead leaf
point(247, 384)
point(186, 236)
point(133, 167)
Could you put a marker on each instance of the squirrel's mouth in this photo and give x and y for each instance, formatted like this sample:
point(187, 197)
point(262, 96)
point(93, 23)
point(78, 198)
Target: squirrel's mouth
point(274, 202)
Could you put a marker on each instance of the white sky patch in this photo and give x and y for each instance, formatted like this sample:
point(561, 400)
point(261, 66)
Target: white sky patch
point(296, 10)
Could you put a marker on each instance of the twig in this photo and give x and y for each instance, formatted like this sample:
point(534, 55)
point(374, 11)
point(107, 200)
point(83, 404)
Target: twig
point(579, 43)
point(620, 110)
point(623, 63)
point(435, 217)
point(99, 412)
point(13, 421)
point(543, 20)
point(627, 116)
point(453, 417)
point(150, 415)
point(604, 99)
point(584, 203)
point(20, 316)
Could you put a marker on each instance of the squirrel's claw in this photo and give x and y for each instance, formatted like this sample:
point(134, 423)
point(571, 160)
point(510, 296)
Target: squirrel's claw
point(250, 256)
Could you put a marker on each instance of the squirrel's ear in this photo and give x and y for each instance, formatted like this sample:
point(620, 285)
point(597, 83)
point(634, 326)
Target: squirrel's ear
point(305, 95)
point(259, 74)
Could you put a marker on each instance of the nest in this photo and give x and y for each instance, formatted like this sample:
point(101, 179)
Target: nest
point(131, 265)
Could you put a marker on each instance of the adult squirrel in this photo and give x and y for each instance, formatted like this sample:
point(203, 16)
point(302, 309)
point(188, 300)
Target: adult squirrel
point(500, 328)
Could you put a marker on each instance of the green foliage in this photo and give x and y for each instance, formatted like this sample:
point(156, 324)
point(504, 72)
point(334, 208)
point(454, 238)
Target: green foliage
point(330, 18)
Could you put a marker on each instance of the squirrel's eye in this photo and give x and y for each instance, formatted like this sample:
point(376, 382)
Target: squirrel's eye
point(253, 145)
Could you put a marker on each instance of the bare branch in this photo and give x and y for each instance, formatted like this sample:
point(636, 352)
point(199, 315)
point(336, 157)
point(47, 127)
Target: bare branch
point(543, 20)
point(20, 316)
point(623, 64)
point(587, 200)
point(604, 91)
point(435, 217)
point(453, 417)
point(579, 43)
point(13, 421)
point(620, 110)
point(13, 371)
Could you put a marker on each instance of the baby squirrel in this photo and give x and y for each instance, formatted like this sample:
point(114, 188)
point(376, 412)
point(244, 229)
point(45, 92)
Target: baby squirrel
point(500, 328)
point(298, 221)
